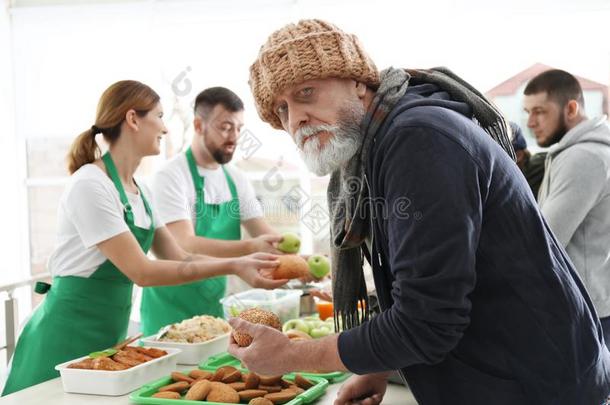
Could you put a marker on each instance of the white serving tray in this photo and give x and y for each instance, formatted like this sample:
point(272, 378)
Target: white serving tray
point(192, 353)
point(115, 383)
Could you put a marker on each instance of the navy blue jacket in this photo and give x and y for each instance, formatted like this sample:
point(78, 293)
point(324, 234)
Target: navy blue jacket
point(480, 304)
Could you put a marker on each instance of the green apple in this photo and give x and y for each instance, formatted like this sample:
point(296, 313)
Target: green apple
point(320, 332)
point(319, 265)
point(297, 324)
point(290, 243)
point(314, 323)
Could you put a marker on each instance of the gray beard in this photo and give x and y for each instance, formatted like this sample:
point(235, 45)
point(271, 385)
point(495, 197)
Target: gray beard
point(343, 143)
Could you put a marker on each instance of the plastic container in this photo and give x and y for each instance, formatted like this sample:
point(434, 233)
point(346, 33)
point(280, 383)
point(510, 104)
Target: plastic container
point(114, 383)
point(193, 353)
point(284, 303)
point(225, 359)
point(144, 394)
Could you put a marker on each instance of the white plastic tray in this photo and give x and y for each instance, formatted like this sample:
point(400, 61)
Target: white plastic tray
point(114, 383)
point(193, 353)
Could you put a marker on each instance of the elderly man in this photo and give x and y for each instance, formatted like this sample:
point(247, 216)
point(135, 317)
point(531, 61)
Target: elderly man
point(480, 304)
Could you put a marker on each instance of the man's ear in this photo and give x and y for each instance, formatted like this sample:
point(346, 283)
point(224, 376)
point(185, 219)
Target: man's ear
point(360, 89)
point(572, 110)
point(198, 125)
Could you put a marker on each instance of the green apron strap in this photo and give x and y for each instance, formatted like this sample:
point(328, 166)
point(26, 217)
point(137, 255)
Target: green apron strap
point(146, 207)
point(198, 181)
point(114, 176)
point(197, 178)
point(231, 184)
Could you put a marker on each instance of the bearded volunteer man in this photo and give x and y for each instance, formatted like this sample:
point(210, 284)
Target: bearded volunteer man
point(574, 195)
point(480, 305)
point(204, 203)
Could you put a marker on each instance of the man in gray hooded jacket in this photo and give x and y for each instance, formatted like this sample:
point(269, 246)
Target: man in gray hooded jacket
point(575, 192)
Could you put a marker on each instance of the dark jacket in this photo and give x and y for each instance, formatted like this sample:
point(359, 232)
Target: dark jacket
point(480, 304)
point(533, 170)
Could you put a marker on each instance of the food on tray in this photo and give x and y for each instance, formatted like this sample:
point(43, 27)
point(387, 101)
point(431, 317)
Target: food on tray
point(251, 381)
point(223, 393)
point(200, 375)
point(199, 390)
point(276, 389)
point(196, 330)
point(175, 387)
point(256, 315)
point(247, 395)
point(282, 396)
point(166, 395)
point(302, 382)
point(178, 376)
point(291, 266)
point(260, 401)
point(129, 357)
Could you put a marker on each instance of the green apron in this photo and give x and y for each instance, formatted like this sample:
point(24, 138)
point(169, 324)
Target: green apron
point(79, 315)
point(166, 305)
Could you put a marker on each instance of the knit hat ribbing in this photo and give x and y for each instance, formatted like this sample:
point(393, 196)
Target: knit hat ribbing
point(311, 49)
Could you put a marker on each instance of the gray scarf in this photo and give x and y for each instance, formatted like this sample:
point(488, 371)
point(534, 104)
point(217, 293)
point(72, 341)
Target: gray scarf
point(348, 189)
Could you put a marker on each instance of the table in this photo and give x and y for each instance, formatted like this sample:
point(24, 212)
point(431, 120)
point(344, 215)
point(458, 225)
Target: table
point(52, 393)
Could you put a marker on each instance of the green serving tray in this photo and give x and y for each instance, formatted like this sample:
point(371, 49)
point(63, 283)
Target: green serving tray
point(225, 359)
point(143, 395)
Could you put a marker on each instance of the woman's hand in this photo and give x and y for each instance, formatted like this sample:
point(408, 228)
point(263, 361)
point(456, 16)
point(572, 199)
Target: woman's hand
point(265, 243)
point(257, 270)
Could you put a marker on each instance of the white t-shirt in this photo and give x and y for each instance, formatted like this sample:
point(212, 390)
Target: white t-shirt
point(90, 212)
point(174, 191)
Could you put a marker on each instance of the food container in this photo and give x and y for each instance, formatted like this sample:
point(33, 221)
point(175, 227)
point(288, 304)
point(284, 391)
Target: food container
point(144, 394)
point(192, 353)
point(99, 382)
point(284, 303)
point(225, 359)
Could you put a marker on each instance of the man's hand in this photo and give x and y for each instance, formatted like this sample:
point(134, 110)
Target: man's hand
point(365, 389)
point(270, 352)
point(265, 243)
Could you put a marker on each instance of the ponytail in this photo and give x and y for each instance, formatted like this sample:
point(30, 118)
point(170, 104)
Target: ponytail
point(84, 150)
point(113, 105)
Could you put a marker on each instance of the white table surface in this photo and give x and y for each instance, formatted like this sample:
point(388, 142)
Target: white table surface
point(52, 393)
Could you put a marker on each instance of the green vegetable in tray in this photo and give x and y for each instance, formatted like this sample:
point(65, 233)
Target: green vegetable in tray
point(234, 311)
point(103, 353)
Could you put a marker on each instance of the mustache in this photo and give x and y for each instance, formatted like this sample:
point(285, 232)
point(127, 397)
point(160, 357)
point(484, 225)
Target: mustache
point(305, 132)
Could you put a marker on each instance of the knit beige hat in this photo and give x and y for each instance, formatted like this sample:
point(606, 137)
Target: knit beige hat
point(311, 49)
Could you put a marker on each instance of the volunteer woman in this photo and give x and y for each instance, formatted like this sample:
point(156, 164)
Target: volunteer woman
point(106, 227)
